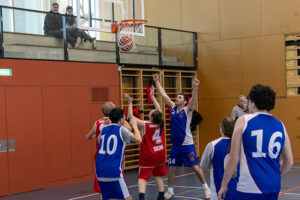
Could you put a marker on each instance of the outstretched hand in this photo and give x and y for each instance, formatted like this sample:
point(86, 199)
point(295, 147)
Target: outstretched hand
point(155, 77)
point(133, 122)
point(196, 82)
point(129, 99)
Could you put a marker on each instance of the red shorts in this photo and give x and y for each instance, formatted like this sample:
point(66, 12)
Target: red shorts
point(159, 170)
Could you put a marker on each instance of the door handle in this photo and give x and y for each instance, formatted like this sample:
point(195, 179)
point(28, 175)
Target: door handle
point(11, 145)
point(3, 146)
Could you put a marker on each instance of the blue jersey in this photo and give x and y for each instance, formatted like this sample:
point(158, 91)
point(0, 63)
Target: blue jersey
point(180, 128)
point(220, 153)
point(263, 138)
point(111, 152)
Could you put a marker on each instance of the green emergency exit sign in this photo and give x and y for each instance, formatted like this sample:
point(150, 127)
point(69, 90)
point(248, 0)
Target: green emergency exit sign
point(5, 72)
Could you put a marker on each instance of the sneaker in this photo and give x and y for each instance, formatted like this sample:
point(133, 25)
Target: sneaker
point(207, 194)
point(169, 195)
point(92, 39)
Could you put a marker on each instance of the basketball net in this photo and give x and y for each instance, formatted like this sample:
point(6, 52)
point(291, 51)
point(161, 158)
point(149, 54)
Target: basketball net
point(126, 30)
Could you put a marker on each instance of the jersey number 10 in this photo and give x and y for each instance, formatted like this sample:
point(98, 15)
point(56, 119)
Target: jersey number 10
point(271, 147)
point(112, 138)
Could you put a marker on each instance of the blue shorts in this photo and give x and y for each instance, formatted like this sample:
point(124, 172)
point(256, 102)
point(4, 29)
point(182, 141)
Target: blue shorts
point(114, 189)
point(185, 154)
point(249, 196)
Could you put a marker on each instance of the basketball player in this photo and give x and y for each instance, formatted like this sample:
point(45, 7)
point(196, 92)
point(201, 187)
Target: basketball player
point(258, 141)
point(112, 144)
point(152, 158)
point(214, 158)
point(183, 149)
point(95, 131)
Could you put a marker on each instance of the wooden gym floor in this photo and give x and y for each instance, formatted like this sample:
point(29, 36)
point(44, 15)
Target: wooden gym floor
point(187, 187)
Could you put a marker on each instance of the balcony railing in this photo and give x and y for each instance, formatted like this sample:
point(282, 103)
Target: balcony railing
point(160, 48)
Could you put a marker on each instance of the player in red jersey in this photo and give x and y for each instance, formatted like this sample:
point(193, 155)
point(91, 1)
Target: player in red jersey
point(95, 132)
point(152, 158)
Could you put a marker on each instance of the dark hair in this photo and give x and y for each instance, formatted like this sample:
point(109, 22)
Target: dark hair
point(157, 118)
point(196, 119)
point(184, 96)
point(54, 4)
point(263, 97)
point(69, 7)
point(115, 115)
point(227, 126)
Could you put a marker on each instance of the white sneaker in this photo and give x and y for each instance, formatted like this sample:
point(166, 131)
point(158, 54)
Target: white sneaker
point(169, 195)
point(207, 193)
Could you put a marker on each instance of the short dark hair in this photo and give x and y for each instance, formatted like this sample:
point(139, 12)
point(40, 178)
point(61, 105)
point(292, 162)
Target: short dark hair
point(69, 8)
point(115, 115)
point(227, 126)
point(184, 96)
point(263, 96)
point(54, 4)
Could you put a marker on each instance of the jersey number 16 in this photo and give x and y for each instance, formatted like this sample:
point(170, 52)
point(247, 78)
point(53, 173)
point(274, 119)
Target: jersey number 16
point(272, 144)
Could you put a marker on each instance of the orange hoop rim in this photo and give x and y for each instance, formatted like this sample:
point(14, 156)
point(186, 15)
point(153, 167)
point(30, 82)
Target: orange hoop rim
point(127, 23)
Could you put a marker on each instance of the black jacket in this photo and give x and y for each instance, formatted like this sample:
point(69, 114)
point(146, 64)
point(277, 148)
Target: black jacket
point(52, 22)
point(71, 19)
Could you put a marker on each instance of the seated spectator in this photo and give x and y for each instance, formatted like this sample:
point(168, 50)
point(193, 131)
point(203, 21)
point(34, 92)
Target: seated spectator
point(53, 25)
point(71, 24)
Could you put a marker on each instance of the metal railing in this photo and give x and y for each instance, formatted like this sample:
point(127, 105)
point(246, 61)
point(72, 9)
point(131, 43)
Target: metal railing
point(160, 42)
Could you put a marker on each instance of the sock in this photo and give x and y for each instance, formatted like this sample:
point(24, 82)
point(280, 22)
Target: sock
point(161, 194)
point(141, 195)
point(205, 186)
point(170, 190)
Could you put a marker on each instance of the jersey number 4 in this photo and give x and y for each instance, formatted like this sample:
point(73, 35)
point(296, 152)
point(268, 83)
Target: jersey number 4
point(111, 138)
point(272, 144)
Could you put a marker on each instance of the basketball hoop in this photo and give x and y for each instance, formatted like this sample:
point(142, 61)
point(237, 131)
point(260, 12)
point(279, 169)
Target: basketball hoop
point(126, 30)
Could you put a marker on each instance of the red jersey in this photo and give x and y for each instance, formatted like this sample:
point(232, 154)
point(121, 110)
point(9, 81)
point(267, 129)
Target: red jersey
point(152, 148)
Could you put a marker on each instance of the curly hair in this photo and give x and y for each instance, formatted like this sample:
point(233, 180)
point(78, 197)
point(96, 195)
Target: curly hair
point(263, 97)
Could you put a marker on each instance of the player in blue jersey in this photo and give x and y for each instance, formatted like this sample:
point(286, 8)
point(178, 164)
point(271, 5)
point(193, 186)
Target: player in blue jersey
point(214, 158)
point(183, 148)
point(258, 141)
point(112, 144)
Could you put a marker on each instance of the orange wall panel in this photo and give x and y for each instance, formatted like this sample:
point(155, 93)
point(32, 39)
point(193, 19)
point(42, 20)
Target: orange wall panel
point(4, 186)
point(263, 62)
point(57, 130)
point(79, 119)
point(24, 124)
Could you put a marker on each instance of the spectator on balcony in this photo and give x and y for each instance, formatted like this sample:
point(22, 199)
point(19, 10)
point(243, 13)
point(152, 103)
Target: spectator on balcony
point(53, 25)
point(71, 24)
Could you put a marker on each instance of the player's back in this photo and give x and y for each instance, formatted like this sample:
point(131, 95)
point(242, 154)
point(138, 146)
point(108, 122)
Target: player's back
point(220, 153)
point(110, 153)
point(262, 143)
point(152, 148)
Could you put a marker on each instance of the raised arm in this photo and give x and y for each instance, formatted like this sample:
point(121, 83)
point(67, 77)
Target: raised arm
point(140, 123)
point(136, 136)
point(192, 104)
point(162, 91)
point(234, 155)
point(287, 160)
point(154, 100)
point(92, 133)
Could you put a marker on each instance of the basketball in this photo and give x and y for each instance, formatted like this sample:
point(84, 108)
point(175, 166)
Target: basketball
point(126, 43)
